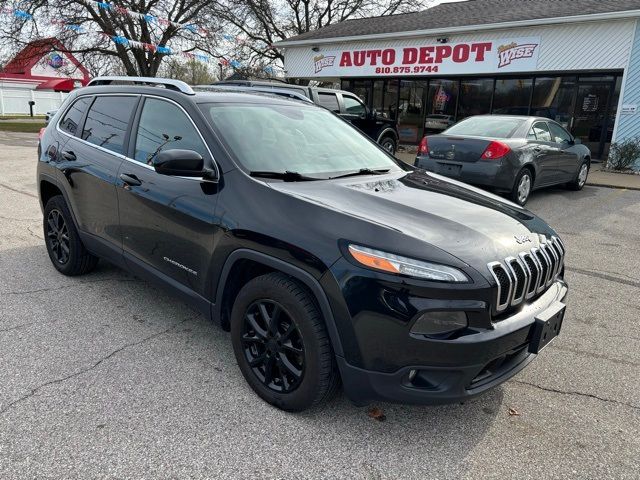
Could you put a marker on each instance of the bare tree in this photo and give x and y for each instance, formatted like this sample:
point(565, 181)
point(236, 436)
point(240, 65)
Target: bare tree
point(261, 23)
point(192, 72)
point(86, 29)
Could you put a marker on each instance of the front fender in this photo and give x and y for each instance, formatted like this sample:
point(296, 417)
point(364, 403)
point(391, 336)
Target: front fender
point(296, 272)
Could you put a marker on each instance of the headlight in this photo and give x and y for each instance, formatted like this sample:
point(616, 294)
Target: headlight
point(388, 262)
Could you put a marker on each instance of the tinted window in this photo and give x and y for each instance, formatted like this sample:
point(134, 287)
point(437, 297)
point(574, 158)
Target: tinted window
point(553, 98)
point(353, 106)
point(164, 126)
point(475, 97)
point(559, 133)
point(108, 122)
point(511, 96)
point(329, 100)
point(540, 131)
point(298, 138)
point(442, 97)
point(484, 126)
point(71, 119)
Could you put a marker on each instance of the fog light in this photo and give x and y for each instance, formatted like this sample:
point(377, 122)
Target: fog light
point(439, 323)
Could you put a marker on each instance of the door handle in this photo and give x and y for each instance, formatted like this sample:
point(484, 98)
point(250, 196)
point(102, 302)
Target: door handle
point(68, 155)
point(130, 179)
point(537, 149)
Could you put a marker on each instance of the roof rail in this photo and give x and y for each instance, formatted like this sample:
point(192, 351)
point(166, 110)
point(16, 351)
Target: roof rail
point(177, 85)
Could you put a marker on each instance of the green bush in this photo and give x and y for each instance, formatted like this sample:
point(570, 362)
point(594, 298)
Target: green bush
point(623, 155)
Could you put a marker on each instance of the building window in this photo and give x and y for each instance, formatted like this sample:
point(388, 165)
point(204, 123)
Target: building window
point(442, 98)
point(377, 94)
point(475, 97)
point(390, 99)
point(362, 88)
point(512, 95)
point(553, 98)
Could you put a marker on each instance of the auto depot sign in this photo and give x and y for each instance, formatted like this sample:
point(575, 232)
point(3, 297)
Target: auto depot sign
point(488, 56)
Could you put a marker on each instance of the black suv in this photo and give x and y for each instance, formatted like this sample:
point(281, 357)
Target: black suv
point(346, 104)
point(326, 258)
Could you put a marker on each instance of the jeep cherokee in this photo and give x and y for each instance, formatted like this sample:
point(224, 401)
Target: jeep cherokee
point(326, 258)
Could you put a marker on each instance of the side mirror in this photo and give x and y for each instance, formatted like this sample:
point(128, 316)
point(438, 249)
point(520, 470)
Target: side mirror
point(577, 141)
point(181, 163)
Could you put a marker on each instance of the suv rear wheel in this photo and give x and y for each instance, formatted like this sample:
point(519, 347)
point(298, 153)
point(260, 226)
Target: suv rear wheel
point(66, 251)
point(281, 343)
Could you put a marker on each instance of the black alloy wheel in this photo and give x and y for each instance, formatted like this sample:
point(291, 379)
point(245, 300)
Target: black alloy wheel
point(58, 236)
point(281, 343)
point(273, 346)
point(66, 251)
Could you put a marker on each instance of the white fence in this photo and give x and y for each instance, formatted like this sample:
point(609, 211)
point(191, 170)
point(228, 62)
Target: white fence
point(16, 101)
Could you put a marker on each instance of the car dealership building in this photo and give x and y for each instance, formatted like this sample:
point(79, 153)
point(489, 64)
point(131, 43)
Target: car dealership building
point(575, 61)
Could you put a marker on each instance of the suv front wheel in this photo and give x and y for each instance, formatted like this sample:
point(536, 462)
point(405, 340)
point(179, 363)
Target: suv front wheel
point(281, 343)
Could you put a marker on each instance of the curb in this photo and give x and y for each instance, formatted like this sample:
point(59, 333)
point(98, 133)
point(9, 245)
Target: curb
point(607, 185)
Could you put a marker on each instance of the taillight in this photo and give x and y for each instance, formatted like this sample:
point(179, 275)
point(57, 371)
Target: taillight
point(495, 150)
point(423, 147)
point(41, 133)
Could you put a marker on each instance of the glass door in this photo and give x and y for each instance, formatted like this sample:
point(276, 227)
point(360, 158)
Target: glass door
point(591, 119)
point(411, 110)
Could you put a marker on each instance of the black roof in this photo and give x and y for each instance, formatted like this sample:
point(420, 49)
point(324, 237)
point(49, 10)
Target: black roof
point(472, 12)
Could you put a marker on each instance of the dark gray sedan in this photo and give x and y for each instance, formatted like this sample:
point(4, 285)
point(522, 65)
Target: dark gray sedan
point(509, 154)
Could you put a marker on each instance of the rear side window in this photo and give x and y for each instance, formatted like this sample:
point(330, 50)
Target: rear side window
point(108, 122)
point(329, 100)
point(540, 131)
point(72, 117)
point(164, 126)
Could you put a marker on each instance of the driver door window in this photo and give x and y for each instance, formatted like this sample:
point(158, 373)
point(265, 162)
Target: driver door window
point(165, 126)
point(353, 106)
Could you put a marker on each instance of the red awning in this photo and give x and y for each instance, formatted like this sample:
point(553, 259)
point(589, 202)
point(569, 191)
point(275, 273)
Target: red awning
point(58, 84)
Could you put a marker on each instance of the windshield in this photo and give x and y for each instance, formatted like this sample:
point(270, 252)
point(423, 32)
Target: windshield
point(309, 141)
point(494, 127)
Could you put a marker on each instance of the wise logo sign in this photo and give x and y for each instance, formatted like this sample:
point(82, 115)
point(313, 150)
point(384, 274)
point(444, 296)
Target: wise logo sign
point(413, 58)
point(321, 62)
point(512, 51)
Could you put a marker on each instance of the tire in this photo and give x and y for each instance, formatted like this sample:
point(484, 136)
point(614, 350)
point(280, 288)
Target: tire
point(297, 343)
point(581, 176)
point(389, 144)
point(522, 187)
point(66, 251)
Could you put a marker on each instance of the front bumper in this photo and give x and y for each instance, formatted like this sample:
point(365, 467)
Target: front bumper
point(465, 367)
point(492, 174)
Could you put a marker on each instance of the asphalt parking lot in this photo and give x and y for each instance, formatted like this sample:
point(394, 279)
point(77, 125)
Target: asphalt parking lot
point(105, 376)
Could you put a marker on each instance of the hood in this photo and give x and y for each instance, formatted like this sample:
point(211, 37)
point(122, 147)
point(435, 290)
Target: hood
point(468, 223)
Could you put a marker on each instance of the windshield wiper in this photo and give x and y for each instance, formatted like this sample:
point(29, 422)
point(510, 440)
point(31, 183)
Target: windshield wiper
point(287, 175)
point(363, 171)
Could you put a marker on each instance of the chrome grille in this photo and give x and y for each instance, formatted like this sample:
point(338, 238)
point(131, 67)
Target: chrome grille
point(531, 272)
